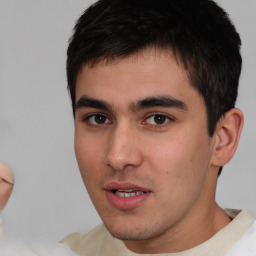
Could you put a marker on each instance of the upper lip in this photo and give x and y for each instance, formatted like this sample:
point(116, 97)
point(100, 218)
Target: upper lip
point(124, 186)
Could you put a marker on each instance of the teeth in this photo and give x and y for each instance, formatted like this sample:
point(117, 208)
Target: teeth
point(128, 193)
point(139, 193)
point(127, 190)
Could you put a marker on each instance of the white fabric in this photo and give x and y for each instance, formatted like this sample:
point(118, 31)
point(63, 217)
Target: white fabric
point(99, 241)
point(9, 247)
point(246, 246)
point(15, 248)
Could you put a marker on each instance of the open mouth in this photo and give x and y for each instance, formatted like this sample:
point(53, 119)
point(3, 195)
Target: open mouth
point(128, 192)
point(126, 196)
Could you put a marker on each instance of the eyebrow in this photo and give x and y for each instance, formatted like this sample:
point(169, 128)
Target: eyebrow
point(87, 102)
point(158, 101)
point(154, 101)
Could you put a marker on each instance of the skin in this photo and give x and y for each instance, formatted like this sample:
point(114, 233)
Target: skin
point(175, 159)
point(6, 184)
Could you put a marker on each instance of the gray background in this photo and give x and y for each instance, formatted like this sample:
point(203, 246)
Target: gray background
point(36, 125)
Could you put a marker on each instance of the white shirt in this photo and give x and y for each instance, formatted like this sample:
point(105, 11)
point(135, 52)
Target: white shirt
point(246, 246)
point(238, 238)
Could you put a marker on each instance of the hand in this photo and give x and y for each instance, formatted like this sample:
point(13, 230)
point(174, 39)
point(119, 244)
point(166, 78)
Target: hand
point(6, 184)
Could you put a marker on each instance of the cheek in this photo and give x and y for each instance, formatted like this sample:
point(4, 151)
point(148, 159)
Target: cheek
point(183, 162)
point(89, 157)
point(89, 165)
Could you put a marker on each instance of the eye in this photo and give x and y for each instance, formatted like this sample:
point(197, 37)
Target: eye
point(97, 119)
point(158, 119)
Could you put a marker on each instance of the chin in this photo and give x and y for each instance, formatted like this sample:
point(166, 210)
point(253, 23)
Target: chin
point(128, 236)
point(133, 232)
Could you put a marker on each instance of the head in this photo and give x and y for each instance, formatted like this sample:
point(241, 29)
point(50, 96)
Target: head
point(6, 184)
point(153, 87)
point(198, 33)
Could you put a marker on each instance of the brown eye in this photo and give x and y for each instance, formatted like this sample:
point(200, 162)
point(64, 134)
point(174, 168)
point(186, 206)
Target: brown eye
point(158, 119)
point(97, 119)
point(100, 119)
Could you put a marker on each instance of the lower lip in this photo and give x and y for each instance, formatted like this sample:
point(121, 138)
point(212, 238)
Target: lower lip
point(126, 203)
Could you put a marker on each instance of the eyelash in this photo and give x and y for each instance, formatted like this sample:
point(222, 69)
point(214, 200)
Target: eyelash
point(105, 118)
point(167, 119)
point(100, 115)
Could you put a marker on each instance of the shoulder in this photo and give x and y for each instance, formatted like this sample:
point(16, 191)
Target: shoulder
point(96, 242)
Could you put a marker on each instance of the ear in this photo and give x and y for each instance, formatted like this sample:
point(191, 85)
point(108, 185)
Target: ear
point(227, 134)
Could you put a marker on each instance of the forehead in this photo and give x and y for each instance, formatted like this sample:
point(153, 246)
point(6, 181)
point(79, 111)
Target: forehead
point(148, 73)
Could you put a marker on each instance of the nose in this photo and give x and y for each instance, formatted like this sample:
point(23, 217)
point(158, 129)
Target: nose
point(123, 149)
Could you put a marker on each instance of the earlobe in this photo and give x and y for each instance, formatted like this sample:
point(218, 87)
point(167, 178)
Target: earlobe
point(227, 134)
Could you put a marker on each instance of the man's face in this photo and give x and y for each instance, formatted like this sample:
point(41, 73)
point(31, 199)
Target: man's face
point(142, 145)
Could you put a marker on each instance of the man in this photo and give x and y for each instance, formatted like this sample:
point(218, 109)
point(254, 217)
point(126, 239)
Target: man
point(153, 87)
